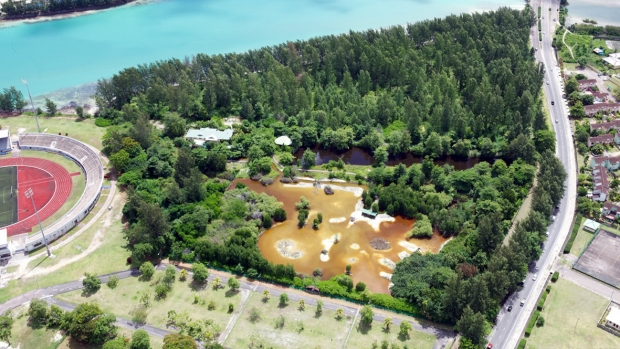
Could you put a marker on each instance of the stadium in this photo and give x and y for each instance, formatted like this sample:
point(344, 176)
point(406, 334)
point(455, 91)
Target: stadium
point(29, 182)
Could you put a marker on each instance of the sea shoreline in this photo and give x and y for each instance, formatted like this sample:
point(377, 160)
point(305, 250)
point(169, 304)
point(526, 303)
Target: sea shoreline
point(58, 16)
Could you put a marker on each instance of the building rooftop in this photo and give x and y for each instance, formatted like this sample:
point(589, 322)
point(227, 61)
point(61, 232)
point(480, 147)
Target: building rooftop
point(369, 213)
point(591, 224)
point(614, 315)
point(587, 82)
point(602, 138)
point(4, 133)
point(3, 238)
point(210, 134)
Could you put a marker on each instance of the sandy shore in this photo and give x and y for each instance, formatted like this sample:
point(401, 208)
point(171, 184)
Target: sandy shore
point(66, 15)
point(374, 223)
point(286, 248)
point(337, 220)
point(355, 190)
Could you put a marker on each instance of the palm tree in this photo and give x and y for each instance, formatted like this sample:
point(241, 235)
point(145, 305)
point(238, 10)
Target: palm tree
point(266, 295)
point(339, 313)
point(302, 304)
point(387, 323)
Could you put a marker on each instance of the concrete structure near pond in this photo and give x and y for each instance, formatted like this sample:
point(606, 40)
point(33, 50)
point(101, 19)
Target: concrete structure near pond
point(613, 318)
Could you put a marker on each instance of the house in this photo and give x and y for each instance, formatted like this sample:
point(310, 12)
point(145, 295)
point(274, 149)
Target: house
point(600, 190)
point(610, 211)
point(369, 213)
point(613, 318)
point(5, 142)
point(598, 51)
point(591, 226)
point(613, 60)
point(600, 97)
point(6, 247)
point(200, 136)
point(601, 107)
point(586, 83)
point(606, 126)
point(602, 139)
point(611, 163)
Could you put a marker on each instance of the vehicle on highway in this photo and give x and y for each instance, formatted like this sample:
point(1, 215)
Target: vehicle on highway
point(312, 289)
point(523, 302)
point(490, 346)
point(509, 308)
point(552, 103)
point(534, 277)
point(553, 217)
point(547, 82)
point(556, 121)
point(547, 233)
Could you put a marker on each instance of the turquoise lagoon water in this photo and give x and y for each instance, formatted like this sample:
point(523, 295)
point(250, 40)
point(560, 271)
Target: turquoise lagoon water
point(605, 12)
point(69, 52)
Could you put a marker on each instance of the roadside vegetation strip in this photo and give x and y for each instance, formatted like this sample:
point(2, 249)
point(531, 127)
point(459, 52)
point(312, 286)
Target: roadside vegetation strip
point(573, 235)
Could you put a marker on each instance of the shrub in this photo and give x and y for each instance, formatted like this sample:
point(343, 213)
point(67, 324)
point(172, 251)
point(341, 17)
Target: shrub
point(147, 269)
point(91, 283)
point(555, 276)
point(138, 315)
point(548, 289)
point(112, 281)
point(280, 321)
point(101, 122)
point(233, 283)
point(522, 344)
point(283, 299)
point(530, 324)
point(211, 305)
point(360, 287)
point(318, 272)
point(231, 307)
point(200, 273)
point(540, 321)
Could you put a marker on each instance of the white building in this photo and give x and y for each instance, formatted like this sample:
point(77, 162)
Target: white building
point(613, 318)
point(200, 136)
point(6, 247)
point(613, 60)
point(5, 142)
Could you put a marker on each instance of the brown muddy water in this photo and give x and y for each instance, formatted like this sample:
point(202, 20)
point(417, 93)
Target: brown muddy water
point(304, 245)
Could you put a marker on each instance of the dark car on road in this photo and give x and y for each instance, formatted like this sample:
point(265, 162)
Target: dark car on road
point(509, 308)
point(312, 289)
point(552, 103)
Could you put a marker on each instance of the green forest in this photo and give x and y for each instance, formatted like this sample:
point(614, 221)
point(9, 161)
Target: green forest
point(15, 8)
point(465, 85)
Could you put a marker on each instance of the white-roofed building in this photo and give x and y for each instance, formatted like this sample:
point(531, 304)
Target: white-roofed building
point(5, 142)
point(613, 60)
point(200, 136)
point(613, 318)
point(6, 247)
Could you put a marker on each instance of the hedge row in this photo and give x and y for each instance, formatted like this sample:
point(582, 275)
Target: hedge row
point(573, 234)
point(555, 276)
point(522, 344)
point(541, 301)
point(539, 25)
point(539, 11)
point(531, 323)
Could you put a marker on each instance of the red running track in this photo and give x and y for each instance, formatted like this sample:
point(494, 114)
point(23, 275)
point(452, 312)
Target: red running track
point(51, 184)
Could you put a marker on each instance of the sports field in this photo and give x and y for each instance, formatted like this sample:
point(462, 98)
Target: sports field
point(8, 195)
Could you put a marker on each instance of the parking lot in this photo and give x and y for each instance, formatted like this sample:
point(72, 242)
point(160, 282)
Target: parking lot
point(601, 259)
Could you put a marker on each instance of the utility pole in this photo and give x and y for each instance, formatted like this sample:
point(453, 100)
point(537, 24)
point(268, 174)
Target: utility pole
point(29, 194)
point(34, 110)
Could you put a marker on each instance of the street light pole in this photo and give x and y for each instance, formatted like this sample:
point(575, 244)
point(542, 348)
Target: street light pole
point(33, 109)
point(29, 194)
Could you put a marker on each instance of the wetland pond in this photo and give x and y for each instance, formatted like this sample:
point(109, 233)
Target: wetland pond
point(305, 247)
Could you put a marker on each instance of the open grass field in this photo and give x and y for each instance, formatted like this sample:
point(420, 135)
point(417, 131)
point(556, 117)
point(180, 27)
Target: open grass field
point(363, 338)
point(126, 296)
point(85, 130)
point(8, 200)
point(301, 329)
point(571, 313)
point(110, 256)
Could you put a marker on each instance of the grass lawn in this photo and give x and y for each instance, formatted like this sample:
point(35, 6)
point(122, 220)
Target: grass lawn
point(25, 337)
point(85, 131)
point(322, 331)
point(110, 256)
point(571, 313)
point(363, 337)
point(581, 240)
point(122, 300)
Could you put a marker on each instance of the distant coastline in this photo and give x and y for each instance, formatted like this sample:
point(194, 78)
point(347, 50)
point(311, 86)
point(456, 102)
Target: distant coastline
point(31, 18)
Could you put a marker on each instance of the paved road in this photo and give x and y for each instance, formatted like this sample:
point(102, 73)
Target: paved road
point(510, 325)
point(443, 336)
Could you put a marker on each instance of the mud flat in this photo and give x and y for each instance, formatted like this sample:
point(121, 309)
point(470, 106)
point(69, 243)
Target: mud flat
point(388, 263)
point(408, 245)
point(286, 248)
point(337, 220)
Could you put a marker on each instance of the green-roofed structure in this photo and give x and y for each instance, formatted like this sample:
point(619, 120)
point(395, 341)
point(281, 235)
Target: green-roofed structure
point(369, 213)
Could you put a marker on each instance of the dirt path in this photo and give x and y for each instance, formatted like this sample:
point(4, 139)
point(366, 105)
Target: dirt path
point(108, 219)
point(570, 49)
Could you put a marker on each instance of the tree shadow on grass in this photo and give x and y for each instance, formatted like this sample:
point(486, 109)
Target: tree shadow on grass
point(318, 314)
point(197, 286)
point(363, 328)
point(282, 305)
point(230, 293)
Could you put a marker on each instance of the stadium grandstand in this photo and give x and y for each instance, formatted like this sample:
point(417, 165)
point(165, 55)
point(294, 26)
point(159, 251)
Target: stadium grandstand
point(5, 142)
point(83, 156)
